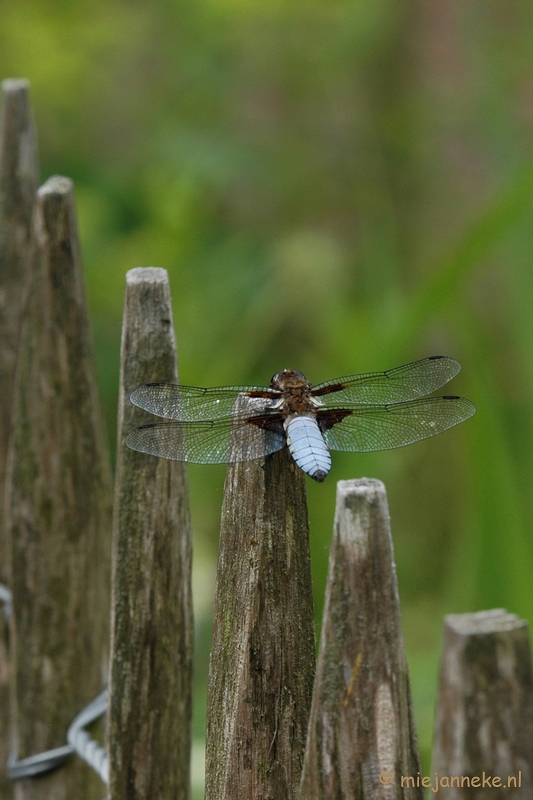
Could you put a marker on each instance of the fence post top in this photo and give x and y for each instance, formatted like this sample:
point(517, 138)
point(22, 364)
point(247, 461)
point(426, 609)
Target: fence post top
point(359, 487)
point(496, 620)
point(15, 85)
point(57, 184)
point(146, 274)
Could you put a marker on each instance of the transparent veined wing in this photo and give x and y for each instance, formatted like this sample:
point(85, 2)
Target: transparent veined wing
point(363, 428)
point(392, 386)
point(191, 403)
point(227, 440)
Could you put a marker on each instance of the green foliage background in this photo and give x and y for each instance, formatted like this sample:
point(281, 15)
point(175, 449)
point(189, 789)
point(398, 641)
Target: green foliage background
point(335, 187)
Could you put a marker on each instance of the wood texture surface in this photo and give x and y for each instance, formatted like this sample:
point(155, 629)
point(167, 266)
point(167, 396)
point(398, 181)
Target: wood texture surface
point(484, 719)
point(152, 628)
point(263, 652)
point(362, 737)
point(18, 183)
point(58, 506)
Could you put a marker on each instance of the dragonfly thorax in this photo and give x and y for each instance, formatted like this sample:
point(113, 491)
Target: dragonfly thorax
point(295, 391)
point(289, 379)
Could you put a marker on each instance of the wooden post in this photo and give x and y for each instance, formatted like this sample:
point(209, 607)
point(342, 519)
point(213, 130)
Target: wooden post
point(484, 719)
point(152, 628)
point(18, 184)
point(362, 737)
point(263, 651)
point(58, 506)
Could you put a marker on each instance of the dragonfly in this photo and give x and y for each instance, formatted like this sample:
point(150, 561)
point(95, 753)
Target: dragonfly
point(358, 413)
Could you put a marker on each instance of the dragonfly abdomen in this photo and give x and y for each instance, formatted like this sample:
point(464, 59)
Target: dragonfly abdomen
point(307, 447)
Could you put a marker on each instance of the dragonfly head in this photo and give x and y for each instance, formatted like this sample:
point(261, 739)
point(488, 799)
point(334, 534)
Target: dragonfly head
point(289, 379)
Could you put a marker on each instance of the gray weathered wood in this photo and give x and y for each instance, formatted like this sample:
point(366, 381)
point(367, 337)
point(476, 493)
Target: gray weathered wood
point(152, 628)
point(58, 506)
point(19, 176)
point(18, 183)
point(484, 719)
point(361, 725)
point(263, 651)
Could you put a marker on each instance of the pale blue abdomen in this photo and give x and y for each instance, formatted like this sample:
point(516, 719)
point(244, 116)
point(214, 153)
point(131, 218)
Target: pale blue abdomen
point(307, 446)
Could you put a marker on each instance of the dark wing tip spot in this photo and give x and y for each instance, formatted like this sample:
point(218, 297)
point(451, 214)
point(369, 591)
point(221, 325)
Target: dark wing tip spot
point(451, 397)
point(143, 427)
point(434, 358)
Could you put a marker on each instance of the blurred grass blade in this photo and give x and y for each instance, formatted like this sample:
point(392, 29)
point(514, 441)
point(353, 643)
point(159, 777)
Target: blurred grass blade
point(476, 244)
point(497, 555)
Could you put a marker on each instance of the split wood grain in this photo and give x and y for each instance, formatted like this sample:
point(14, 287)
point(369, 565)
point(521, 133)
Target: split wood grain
point(58, 506)
point(362, 737)
point(484, 718)
point(152, 627)
point(263, 650)
point(19, 179)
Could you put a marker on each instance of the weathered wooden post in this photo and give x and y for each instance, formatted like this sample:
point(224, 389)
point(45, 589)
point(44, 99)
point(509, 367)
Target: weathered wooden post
point(263, 652)
point(58, 506)
point(362, 738)
point(484, 719)
point(19, 178)
point(152, 628)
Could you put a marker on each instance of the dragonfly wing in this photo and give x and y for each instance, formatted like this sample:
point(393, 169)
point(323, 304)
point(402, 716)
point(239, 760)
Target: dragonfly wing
point(209, 442)
point(383, 427)
point(392, 386)
point(190, 403)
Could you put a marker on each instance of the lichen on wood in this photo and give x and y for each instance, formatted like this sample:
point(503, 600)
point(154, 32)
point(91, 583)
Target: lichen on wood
point(484, 717)
point(19, 177)
point(58, 508)
point(152, 628)
point(362, 737)
point(263, 651)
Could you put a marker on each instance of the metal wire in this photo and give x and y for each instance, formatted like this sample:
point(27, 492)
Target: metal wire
point(91, 751)
point(6, 598)
point(79, 742)
point(39, 764)
point(78, 739)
